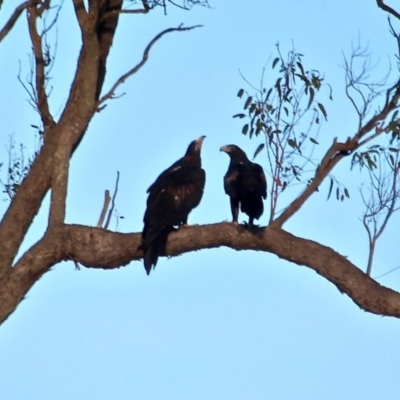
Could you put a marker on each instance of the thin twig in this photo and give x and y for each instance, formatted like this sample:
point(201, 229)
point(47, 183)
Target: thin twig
point(112, 202)
point(386, 273)
point(107, 200)
point(136, 68)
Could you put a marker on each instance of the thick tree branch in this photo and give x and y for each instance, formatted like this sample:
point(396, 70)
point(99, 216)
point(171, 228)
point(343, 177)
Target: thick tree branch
point(81, 15)
point(145, 57)
point(98, 248)
point(388, 9)
point(59, 184)
point(14, 17)
point(31, 192)
point(26, 202)
point(80, 109)
point(105, 32)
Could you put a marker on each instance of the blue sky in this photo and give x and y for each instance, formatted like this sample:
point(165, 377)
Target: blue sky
point(214, 324)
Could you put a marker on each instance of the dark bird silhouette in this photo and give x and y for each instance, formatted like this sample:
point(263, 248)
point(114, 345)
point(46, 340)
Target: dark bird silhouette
point(245, 184)
point(174, 194)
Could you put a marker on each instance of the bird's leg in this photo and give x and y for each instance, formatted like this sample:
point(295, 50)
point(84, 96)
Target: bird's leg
point(235, 210)
point(251, 224)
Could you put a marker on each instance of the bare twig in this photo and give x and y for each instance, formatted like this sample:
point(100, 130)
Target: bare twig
point(360, 90)
point(383, 197)
point(137, 67)
point(386, 273)
point(113, 202)
point(107, 200)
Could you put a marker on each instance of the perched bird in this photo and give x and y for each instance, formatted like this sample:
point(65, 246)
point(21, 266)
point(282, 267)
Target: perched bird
point(245, 184)
point(174, 194)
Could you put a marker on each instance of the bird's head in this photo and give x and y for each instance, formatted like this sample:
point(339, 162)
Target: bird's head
point(234, 152)
point(195, 147)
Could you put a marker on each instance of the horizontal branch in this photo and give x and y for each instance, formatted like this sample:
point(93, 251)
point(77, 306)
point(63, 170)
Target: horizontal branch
point(97, 248)
point(145, 57)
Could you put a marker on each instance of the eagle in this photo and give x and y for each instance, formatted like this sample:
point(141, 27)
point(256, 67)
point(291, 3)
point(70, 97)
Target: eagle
point(245, 184)
point(173, 195)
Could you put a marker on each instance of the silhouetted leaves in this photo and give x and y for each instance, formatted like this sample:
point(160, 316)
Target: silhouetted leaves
point(274, 111)
point(248, 102)
point(322, 108)
point(259, 148)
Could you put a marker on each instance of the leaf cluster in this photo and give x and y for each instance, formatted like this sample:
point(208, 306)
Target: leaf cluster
point(287, 115)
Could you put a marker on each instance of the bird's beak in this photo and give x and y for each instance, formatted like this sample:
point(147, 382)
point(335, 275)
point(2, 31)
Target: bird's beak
point(224, 148)
point(199, 142)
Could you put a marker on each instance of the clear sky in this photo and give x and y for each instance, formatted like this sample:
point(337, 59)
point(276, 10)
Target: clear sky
point(215, 324)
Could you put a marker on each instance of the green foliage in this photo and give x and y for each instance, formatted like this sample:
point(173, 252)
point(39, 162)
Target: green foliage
point(371, 157)
point(286, 116)
point(341, 192)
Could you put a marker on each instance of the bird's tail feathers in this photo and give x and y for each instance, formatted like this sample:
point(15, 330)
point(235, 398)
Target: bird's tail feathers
point(154, 246)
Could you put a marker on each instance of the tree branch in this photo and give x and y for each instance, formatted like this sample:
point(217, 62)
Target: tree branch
point(81, 15)
point(112, 202)
point(340, 150)
point(388, 9)
point(14, 17)
point(26, 202)
point(40, 66)
point(98, 248)
point(136, 68)
point(107, 200)
point(335, 153)
point(59, 183)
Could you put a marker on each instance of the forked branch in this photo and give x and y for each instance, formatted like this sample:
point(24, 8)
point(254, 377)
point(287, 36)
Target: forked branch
point(340, 150)
point(14, 17)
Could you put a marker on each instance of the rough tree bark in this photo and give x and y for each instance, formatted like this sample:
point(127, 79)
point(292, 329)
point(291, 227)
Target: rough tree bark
point(98, 248)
